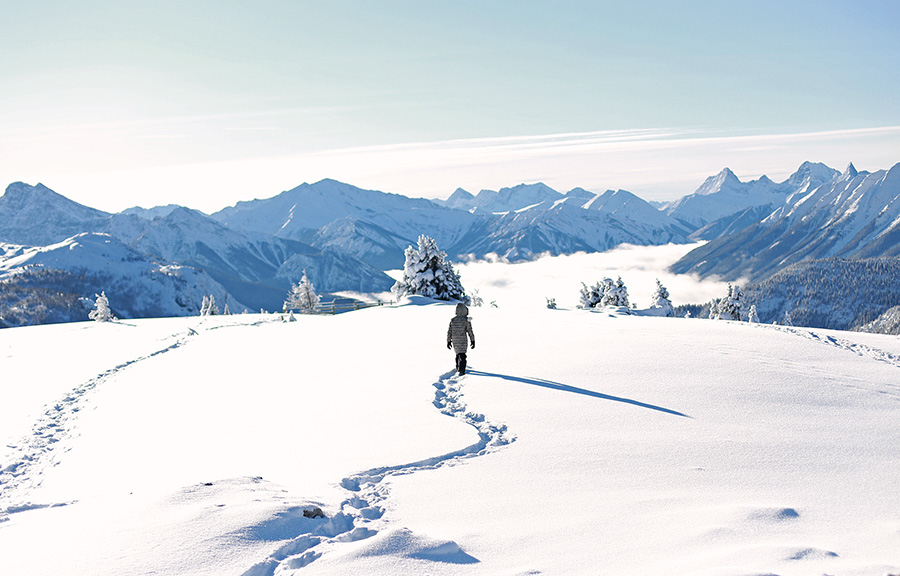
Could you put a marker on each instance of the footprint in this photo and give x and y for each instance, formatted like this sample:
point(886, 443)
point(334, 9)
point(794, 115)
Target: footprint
point(811, 554)
point(773, 515)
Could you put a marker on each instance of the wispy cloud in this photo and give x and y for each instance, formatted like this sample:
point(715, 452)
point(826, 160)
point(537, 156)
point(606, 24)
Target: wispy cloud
point(656, 164)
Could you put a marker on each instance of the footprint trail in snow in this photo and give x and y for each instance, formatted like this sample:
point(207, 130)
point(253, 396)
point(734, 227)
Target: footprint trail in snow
point(369, 492)
point(40, 450)
point(862, 350)
point(51, 434)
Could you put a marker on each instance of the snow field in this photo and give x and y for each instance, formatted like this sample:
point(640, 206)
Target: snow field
point(598, 485)
point(579, 443)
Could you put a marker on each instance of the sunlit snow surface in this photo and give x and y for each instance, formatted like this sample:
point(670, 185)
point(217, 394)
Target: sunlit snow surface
point(579, 443)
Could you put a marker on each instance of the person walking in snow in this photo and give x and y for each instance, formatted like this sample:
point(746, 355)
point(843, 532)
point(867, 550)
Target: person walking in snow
point(458, 335)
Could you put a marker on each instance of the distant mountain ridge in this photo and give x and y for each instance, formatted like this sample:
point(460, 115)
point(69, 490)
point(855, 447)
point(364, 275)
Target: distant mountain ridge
point(257, 269)
point(853, 215)
point(517, 223)
point(724, 194)
point(344, 236)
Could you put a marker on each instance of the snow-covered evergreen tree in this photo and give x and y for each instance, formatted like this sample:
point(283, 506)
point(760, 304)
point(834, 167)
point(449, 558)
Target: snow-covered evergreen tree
point(226, 311)
point(427, 272)
point(660, 299)
point(731, 307)
point(604, 293)
point(302, 296)
point(101, 311)
point(591, 295)
point(616, 293)
point(208, 306)
point(752, 316)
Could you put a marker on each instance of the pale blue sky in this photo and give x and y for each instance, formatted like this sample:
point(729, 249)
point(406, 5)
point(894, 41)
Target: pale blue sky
point(204, 103)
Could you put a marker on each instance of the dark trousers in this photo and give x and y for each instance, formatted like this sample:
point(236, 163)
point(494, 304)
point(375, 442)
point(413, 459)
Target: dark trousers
point(461, 363)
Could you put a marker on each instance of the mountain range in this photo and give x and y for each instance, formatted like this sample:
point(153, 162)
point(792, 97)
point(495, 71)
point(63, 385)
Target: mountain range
point(854, 214)
point(345, 237)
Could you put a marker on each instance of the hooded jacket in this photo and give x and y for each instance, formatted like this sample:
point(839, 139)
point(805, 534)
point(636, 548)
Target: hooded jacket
point(460, 330)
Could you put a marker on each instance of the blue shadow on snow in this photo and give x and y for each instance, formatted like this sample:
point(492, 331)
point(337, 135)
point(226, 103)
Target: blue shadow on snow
point(566, 388)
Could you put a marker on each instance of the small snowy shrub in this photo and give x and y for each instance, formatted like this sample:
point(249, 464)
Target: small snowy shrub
point(476, 300)
point(427, 272)
point(551, 303)
point(302, 296)
point(101, 311)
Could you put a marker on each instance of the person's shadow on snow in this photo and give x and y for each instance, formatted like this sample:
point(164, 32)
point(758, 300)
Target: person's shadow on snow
point(574, 390)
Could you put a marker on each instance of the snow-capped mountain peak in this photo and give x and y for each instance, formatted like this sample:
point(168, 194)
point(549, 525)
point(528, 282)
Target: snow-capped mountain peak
point(810, 175)
point(580, 194)
point(151, 213)
point(725, 179)
point(36, 215)
point(850, 172)
point(459, 199)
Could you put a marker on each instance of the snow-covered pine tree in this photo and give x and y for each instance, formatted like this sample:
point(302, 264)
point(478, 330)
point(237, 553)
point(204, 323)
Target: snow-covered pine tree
point(213, 309)
point(208, 306)
point(427, 272)
point(787, 320)
point(752, 316)
point(616, 294)
point(101, 311)
point(302, 296)
point(734, 304)
point(715, 306)
point(204, 306)
point(660, 299)
point(731, 307)
point(590, 295)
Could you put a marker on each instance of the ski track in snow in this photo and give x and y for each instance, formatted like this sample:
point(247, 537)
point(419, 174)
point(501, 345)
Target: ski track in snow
point(363, 509)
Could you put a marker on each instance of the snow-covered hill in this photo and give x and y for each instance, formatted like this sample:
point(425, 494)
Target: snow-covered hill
point(254, 268)
point(68, 274)
point(589, 444)
point(830, 293)
point(854, 215)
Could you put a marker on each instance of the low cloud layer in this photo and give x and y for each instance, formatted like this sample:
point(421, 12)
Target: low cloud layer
point(529, 284)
